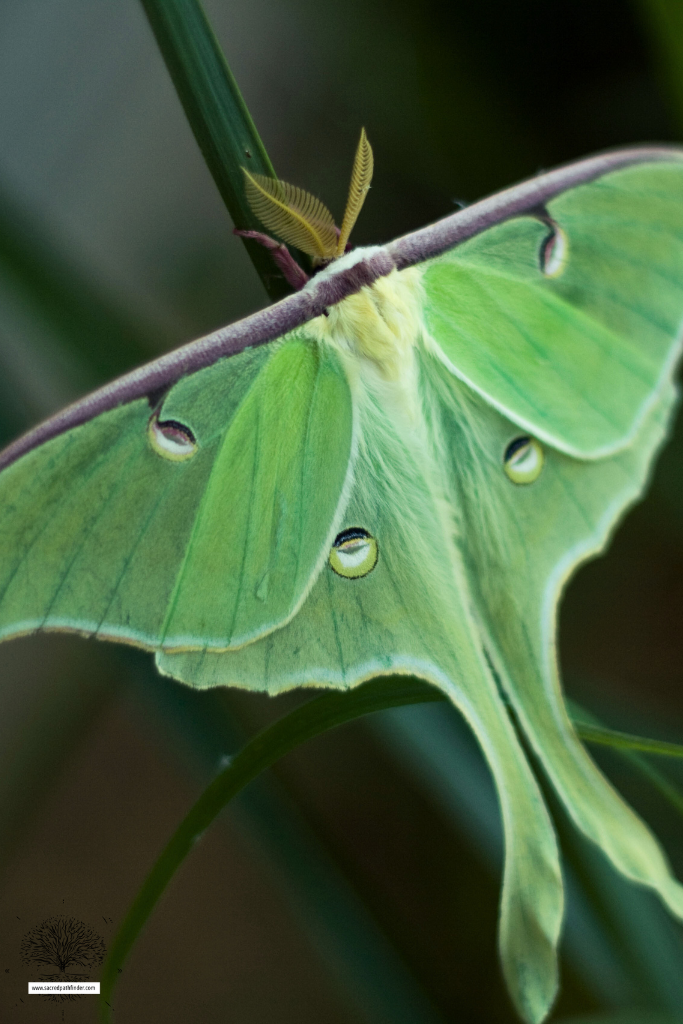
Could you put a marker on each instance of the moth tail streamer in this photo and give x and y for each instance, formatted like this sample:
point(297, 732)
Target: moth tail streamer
point(532, 898)
point(594, 805)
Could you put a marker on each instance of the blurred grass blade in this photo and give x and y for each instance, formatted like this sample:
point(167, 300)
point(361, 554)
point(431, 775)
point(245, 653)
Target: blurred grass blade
point(268, 746)
point(669, 791)
point(649, 941)
point(628, 1017)
point(631, 748)
point(625, 741)
point(218, 116)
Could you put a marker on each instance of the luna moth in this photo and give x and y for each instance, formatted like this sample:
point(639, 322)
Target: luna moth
point(393, 470)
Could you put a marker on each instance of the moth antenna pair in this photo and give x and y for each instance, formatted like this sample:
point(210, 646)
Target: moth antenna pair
point(301, 220)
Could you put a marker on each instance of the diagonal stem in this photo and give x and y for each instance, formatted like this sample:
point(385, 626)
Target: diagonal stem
point(218, 116)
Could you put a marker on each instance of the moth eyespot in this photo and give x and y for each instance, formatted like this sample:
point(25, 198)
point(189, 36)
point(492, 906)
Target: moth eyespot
point(553, 254)
point(171, 440)
point(354, 553)
point(523, 460)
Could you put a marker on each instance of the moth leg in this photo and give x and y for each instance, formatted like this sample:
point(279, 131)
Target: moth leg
point(294, 275)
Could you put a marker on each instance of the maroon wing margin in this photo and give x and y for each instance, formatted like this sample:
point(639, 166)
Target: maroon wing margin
point(313, 300)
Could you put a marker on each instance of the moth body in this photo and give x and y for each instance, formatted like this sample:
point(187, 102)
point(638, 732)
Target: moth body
point(379, 335)
point(380, 323)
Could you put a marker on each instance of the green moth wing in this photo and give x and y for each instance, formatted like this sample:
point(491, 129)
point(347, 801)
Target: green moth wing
point(568, 321)
point(110, 529)
point(394, 470)
point(256, 528)
point(521, 549)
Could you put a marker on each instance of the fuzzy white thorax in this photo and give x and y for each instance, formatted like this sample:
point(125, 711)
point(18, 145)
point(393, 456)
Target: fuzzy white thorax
point(378, 333)
point(377, 328)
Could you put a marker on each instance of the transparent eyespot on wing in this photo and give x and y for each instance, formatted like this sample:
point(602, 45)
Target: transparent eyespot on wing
point(354, 553)
point(523, 460)
point(171, 439)
point(554, 251)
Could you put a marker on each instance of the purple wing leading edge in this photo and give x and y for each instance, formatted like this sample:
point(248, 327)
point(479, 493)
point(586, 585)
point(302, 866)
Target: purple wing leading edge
point(355, 270)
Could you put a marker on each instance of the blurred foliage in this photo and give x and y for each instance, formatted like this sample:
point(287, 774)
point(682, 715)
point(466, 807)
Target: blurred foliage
point(113, 242)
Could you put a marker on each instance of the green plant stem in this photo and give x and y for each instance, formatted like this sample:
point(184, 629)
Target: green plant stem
point(631, 748)
point(625, 741)
point(218, 116)
point(660, 782)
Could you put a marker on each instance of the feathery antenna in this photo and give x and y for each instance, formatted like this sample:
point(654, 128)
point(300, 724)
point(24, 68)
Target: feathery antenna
point(361, 176)
point(295, 216)
point(301, 220)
